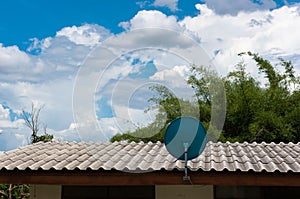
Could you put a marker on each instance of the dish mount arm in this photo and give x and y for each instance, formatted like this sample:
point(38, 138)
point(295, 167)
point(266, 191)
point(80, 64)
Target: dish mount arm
point(186, 146)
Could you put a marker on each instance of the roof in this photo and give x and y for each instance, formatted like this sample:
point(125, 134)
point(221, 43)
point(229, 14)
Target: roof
point(135, 157)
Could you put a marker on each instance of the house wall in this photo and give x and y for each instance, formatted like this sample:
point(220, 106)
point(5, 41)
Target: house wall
point(184, 192)
point(45, 191)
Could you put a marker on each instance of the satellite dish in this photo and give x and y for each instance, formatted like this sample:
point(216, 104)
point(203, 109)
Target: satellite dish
point(185, 139)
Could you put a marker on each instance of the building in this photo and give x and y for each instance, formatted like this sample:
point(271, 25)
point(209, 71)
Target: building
point(146, 170)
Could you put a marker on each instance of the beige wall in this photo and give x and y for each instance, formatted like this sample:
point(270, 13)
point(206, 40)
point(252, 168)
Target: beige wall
point(45, 191)
point(184, 191)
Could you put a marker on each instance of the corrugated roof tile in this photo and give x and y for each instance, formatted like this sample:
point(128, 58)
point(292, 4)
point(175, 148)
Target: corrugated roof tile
point(61, 157)
point(105, 157)
point(37, 164)
point(95, 165)
point(48, 165)
point(83, 157)
point(25, 165)
point(60, 165)
point(138, 157)
point(120, 165)
point(295, 167)
point(84, 165)
point(72, 165)
point(295, 148)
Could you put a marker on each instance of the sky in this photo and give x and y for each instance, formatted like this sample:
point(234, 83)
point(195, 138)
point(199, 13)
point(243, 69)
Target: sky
point(90, 63)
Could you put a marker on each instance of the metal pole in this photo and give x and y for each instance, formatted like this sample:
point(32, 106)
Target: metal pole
point(186, 177)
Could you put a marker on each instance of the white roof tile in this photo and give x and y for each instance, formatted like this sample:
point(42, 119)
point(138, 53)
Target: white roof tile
point(137, 157)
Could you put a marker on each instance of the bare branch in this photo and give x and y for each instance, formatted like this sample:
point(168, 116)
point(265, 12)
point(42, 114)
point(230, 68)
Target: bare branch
point(32, 121)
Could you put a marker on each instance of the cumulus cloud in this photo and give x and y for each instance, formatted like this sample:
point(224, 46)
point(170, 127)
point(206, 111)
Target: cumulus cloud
point(14, 63)
point(233, 8)
point(151, 18)
point(171, 4)
point(12, 130)
point(17, 65)
point(12, 58)
point(45, 74)
point(175, 76)
point(266, 32)
point(6, 121)
point(87, 35)
point(152, 29)
point(112, 71)
point(222, 36)
point(56, 114)
point(68, 49)
point(143, 4)
point(55, 95)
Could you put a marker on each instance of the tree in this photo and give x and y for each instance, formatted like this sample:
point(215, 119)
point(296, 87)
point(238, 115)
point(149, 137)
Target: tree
point(12, 191)
point(209, 90)
point(262, 113)
point(279, 102)
point(169, 107)
point(254, 112)
point(244, 97)
point(32, 121)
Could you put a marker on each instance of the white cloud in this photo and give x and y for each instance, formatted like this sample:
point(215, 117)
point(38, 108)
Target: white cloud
point(149, 36)
point(142, 4)
point(222, 36)
point(11, 138)
point(151, 19)
point(57, 113)
point(12, 132)
point(109, 126)
point(55, 95)
point(6, 122)
point(87, 35)
point(11, 57)
point(47, 77)
point(39, 45)
point(266, 32)
point(175, 76)
point(61, 55)
point(171, 4)
point(170, 44)
point(127, 119)
point(229, 7)
point(4, 113)
point(14, 63)
point(17, 65)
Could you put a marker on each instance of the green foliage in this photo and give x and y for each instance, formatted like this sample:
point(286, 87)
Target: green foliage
point(256, 113)
point(209, 91)
point(243, 100)
point(42, 138)
point(253, 112)
point(169, 107)
point(14, 191)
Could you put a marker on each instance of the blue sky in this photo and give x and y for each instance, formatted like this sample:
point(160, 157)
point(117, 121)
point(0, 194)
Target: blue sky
point(47, 51)
point(25, 19)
